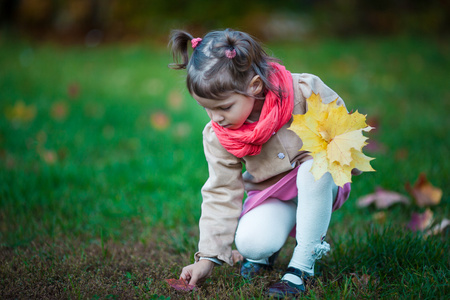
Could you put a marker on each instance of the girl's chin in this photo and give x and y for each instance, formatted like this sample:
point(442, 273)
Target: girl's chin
point(232, 127)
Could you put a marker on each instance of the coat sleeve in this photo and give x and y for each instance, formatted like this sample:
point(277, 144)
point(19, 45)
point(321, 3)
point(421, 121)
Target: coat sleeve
point(308, 83)
point(222, 200)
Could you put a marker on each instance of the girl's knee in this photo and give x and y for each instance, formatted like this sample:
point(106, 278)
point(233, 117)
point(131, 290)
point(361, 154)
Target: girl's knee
point(255, 252)
point(254, 246)
point(263, 230)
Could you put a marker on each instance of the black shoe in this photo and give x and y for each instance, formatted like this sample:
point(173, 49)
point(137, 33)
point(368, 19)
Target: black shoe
point(285, 288)
point(250, 269)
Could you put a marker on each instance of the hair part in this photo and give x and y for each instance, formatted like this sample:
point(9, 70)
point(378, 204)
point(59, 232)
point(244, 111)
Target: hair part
point(211, 74)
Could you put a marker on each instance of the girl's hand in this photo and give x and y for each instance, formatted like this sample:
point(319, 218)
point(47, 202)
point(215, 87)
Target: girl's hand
point(197, 272)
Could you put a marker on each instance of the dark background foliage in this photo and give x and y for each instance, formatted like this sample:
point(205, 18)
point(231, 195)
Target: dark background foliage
point(112, 20)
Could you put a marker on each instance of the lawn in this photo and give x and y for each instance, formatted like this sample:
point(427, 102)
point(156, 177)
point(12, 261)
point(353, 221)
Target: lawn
point(101, 165)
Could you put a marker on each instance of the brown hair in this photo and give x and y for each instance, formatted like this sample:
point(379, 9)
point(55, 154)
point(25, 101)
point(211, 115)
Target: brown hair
point(211, 74)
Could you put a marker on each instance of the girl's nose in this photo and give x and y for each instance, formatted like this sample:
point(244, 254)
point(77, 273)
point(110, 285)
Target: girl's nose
point(216, 117)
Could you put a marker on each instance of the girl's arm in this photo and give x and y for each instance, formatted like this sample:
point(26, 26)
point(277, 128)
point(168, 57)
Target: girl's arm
point(221, 207)
point(222, 200)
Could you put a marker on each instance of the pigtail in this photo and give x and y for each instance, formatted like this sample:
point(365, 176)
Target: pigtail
point(179, 45)
point(242, 61)
point(250, 55)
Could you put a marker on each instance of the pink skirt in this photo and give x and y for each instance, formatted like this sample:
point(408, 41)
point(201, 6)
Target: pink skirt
point(286, 189)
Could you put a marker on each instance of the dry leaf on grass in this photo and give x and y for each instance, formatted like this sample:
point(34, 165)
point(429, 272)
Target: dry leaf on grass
point(175, 100)
point(159, 120)
point(424, 192)
point(180, 285)
point(363, 280)
point(376, 147)
point(439, 228)
point(382, 199)
point(420, 222)
point(20, 112)
point(379, 217)
point(59, 111)
point(49, 156)
point(73, 90)
point(334, 138)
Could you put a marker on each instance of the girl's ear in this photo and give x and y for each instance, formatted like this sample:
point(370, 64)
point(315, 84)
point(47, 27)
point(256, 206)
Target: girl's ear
point(256, 86)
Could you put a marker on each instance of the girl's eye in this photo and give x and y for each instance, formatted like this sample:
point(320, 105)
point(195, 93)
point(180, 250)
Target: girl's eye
point(226, 108)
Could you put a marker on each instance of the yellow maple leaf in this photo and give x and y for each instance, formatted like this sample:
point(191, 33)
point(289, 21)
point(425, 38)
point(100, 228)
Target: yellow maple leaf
point(20, 112)
point(334, 138)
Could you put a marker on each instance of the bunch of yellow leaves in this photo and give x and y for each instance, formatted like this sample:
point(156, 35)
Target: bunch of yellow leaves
point(334, 139)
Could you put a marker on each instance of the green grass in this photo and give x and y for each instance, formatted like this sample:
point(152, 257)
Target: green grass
point(97, 202)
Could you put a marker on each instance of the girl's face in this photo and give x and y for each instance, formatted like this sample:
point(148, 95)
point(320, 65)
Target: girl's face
point(231, 112)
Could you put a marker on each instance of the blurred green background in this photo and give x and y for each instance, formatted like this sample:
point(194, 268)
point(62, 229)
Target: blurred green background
point(96, 131)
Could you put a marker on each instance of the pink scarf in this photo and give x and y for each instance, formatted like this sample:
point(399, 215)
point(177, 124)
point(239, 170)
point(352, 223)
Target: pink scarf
point(249, 138)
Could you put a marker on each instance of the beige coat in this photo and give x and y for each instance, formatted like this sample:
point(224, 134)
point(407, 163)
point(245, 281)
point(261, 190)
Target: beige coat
point(223, 192)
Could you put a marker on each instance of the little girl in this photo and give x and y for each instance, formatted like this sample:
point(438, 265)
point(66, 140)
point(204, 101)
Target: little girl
point(250, 99)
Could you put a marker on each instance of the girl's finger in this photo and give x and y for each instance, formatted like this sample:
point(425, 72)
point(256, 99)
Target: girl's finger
point(185, 276)
point(193, 280)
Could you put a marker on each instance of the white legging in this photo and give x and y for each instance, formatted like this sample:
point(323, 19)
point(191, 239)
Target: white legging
point(263, 231)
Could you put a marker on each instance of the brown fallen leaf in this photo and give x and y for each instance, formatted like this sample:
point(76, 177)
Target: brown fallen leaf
point(180, 285)
point(374, 121)
point(8, 159)
point(438, 228)
point(175, 100)
point(73, 90)
point(159, 120)
point(379, 217)
point(59, 111)
point(420, 222)
point(363, 280)
point(48, 156)
point(382, 199)
point(424, 192)
point(20, 112)
point(401, 154)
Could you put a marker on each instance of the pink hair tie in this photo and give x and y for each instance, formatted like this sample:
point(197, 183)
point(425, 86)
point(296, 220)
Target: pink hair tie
point(195, 42)
point(230, 53)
